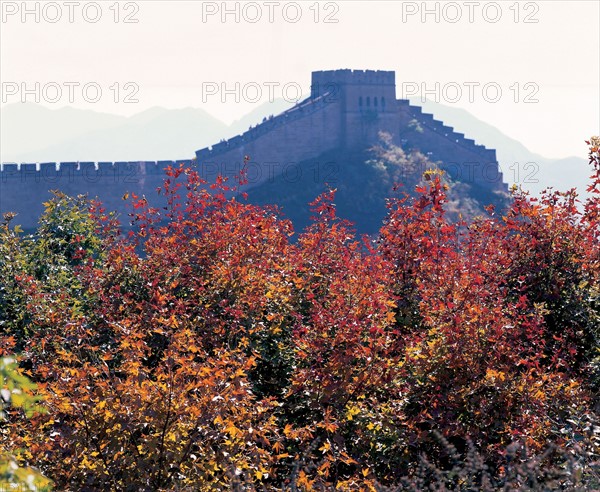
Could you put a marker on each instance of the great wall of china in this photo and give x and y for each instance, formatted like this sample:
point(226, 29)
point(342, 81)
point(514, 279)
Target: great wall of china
point(346, 109)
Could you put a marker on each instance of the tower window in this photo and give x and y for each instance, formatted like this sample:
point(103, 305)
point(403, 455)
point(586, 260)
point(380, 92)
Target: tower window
point(360, 101)
point(368, 101)
point(383, 102)
point(375, 101)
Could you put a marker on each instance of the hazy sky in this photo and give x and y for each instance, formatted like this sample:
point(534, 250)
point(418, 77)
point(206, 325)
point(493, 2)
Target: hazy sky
point(532, 69)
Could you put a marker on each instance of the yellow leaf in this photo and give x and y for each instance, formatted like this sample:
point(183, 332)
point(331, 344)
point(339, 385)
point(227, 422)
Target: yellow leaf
point(326, 447)
point(351, 412)
point(233, 431)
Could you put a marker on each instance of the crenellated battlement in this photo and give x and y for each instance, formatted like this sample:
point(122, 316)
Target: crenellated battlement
point(354, 77)
point(25, 187)
point(87, 171)
point(429, 122)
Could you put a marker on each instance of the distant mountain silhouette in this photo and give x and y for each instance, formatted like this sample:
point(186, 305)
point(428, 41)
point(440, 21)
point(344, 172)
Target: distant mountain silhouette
point(32, 133)
point(29, 128)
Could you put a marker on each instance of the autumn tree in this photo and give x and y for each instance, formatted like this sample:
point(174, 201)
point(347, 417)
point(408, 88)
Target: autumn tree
point(212, 347)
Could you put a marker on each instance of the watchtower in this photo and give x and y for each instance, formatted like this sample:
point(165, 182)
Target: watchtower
point(367, 101)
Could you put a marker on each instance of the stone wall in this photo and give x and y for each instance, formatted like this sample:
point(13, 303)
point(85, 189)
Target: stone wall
point(24, 188)
point(293, 136)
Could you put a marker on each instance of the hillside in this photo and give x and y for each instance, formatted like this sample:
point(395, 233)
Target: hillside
point(363, 183)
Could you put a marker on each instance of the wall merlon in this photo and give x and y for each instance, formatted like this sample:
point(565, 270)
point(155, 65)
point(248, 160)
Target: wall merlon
point(48, 168)
point(151, 168)
point(121, 167)
point(68, 167)
point(87, 167)
point(106, 168)
point(161, 166)
point(28, 168)
point(9, 171)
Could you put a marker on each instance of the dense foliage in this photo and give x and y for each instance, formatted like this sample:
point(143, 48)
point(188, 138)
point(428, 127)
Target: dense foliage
point(18, 391)
point(206, 350)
